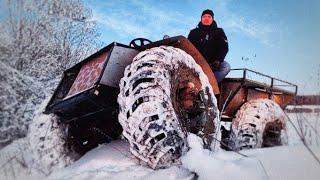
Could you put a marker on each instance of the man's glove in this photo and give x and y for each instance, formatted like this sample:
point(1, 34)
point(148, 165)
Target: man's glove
point(215, 65)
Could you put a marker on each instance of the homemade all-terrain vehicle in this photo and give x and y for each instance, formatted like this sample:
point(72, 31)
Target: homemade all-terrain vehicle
point(155, 93)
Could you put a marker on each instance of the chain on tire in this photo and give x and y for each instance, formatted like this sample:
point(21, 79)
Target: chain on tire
point(150, 111)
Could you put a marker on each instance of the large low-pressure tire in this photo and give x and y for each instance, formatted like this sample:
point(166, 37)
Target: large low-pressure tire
point(150, 111)
point(258, 123)
point(47, 138)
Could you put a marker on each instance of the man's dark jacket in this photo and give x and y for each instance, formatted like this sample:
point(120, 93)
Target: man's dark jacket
point(211, 41)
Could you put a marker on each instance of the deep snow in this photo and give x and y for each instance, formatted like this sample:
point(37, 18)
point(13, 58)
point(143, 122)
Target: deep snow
point(113, 161)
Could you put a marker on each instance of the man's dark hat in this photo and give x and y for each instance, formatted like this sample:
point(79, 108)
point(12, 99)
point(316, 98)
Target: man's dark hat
point(207, 11)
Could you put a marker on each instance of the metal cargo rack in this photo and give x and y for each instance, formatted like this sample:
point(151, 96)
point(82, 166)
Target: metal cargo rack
point(236, 91)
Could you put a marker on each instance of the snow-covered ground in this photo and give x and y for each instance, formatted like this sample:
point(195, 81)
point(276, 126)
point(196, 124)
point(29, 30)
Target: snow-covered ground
point(113, 160)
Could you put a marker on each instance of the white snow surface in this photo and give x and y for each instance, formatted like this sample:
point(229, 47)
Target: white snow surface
point(113, 161)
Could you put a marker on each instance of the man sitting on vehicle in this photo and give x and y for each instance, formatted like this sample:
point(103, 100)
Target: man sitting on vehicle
point(212, 43)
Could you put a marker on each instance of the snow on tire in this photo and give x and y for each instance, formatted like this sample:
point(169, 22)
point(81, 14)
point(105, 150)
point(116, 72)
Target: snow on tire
point(47, 138)
point(258, 123)
point(149, 104)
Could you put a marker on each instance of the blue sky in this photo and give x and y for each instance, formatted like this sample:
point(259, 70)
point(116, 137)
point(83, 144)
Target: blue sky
point(279, 38)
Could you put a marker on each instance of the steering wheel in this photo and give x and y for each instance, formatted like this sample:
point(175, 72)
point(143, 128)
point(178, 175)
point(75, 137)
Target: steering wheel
point(141, 42)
